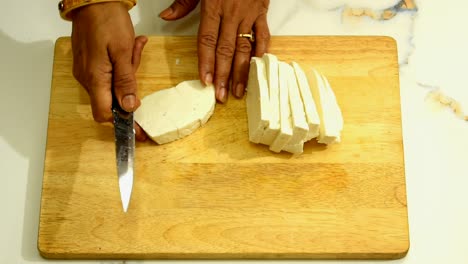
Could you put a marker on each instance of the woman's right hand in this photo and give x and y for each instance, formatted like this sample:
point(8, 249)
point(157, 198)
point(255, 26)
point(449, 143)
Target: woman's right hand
point(106, 56)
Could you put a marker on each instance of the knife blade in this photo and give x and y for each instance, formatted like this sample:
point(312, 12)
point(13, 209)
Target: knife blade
point(124, 150)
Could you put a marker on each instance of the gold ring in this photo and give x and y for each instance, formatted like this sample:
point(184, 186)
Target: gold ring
point(250, 36)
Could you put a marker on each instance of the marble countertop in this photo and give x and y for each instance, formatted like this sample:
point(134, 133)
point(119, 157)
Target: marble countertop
point(434, 92)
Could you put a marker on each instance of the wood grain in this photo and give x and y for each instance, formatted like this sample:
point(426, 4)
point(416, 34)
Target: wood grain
point(214, 194)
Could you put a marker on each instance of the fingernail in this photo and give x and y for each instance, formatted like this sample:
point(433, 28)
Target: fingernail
point(129, 102)
point(208, 79)
point(222, 94)
point(239, 92)
point(166, 13)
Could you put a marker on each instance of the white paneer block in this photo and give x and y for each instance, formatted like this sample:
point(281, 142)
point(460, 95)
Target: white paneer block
point(196, 105)
point(174, 113)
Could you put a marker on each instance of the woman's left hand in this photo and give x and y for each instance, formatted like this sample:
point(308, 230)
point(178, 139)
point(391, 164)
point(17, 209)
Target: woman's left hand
point(221, 52)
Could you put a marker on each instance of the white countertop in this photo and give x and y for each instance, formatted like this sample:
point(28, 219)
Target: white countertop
point(433, 54)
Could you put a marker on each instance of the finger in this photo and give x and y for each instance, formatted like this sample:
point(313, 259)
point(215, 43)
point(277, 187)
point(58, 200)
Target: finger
point(178, 9)
point(99, 88)
point(224, 56)
point(138, 47)
point(262, 36)
point(140, 134)
point(207, 40)
point(242, 59)
point(124, 81)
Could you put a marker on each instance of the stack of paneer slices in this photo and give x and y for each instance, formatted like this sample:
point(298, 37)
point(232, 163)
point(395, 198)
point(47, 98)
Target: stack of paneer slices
point(287, 107)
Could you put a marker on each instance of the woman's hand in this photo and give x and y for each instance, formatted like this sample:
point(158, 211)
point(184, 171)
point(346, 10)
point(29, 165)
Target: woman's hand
point(106, 56)
point(221, 53)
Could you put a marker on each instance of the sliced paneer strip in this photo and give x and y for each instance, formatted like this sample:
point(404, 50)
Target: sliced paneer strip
point(313, 119)
point(336, 106)
point(295, 148)
point(298, 118)
point(271, 132)
point(286, 129)
point(174, 113)
point(331, 119)
point(257, 102)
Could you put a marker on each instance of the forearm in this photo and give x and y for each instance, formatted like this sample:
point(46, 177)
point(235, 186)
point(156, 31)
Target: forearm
point(67, 6)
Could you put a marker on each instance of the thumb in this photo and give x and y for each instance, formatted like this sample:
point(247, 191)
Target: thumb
point(178, 9)
point(124, 83)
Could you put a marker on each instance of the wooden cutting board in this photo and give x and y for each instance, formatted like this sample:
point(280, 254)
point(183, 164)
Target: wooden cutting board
point(214, 194)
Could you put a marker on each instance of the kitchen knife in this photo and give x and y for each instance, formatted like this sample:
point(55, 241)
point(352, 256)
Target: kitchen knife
point(124, 150)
